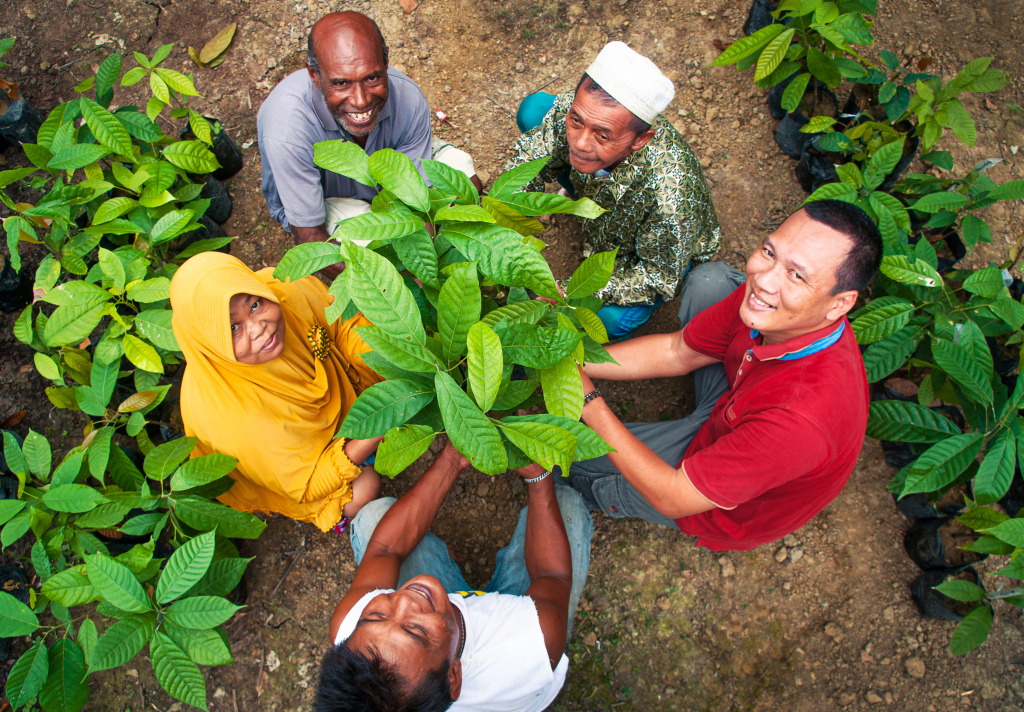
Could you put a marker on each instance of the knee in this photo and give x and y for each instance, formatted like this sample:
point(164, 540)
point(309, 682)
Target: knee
point(532, 110)
point(370, 514)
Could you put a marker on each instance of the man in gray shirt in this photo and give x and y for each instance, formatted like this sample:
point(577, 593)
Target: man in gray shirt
point(347, 91)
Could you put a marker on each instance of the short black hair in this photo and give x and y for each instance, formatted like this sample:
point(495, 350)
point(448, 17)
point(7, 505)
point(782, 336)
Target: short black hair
point(865, 255)
point(311, 50)
point(351, 680)
point(638, 125)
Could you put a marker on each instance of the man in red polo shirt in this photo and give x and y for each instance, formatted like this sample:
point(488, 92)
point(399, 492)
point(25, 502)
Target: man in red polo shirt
point(782, 397)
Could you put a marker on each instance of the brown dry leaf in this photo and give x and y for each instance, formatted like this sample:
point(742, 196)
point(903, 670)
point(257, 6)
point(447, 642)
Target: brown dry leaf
point(13, 419)
point(137, 401)
point(194, 55)
point(218, 45)
point(409, 5)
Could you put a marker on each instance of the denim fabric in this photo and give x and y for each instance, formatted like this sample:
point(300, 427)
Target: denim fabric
point(510, 575)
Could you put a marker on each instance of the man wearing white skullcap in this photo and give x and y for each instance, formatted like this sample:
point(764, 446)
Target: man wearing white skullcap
point(608, 141)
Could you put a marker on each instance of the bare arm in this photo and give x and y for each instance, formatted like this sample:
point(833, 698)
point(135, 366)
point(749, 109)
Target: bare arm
point(400, 530)
point(358, 450)
point(652, 356)
point(666, 488)
point(548, 562)
point(317, 234)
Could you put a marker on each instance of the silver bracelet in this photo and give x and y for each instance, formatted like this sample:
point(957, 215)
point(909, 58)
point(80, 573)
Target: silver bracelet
point(538, 478)
point(596, 393)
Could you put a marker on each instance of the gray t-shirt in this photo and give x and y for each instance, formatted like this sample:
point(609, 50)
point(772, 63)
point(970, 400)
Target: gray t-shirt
point(295, 116)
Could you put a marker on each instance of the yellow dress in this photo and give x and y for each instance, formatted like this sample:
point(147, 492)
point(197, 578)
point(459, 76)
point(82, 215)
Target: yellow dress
point(279, 418)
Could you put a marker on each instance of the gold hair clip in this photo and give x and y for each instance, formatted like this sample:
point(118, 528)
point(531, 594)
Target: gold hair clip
point(319, 341)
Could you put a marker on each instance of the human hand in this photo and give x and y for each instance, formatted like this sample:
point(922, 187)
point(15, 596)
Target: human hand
point(530, 471)
point(452, 456)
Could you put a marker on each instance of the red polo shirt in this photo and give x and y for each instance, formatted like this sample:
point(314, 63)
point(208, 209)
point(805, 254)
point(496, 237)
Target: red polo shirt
point(782, 441)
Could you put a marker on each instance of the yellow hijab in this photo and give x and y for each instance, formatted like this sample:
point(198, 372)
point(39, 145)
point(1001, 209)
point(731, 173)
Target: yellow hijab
point(279, 418)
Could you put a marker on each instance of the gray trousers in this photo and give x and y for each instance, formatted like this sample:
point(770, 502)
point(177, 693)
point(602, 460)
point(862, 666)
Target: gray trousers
point(602, 485)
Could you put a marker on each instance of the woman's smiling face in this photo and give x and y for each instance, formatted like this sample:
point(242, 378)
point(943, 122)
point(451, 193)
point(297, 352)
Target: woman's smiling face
point(257, 329)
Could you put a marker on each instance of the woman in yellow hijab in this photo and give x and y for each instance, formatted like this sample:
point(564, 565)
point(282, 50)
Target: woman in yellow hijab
point(268, 381)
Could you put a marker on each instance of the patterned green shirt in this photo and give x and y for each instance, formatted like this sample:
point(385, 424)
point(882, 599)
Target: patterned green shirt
point(660, 213)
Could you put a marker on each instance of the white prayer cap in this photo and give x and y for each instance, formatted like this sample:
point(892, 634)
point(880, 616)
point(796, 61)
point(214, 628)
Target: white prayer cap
point(632, 80)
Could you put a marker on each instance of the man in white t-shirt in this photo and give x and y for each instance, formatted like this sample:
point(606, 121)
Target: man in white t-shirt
point(435, 644)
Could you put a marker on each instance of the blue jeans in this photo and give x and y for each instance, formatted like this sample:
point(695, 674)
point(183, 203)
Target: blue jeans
point(602, 485)
point(510, 576)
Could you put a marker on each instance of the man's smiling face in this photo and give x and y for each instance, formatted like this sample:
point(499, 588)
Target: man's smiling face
point(790, 278)
point(353, 72)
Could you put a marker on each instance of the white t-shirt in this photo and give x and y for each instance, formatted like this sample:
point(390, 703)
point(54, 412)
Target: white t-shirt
point(505, 665)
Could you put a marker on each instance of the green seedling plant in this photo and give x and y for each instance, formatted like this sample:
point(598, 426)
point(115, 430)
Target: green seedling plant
point(118, 201)
point(444, 280)
point(142, 547)
point(935, 330)
point(814, 39)
point(913, 102)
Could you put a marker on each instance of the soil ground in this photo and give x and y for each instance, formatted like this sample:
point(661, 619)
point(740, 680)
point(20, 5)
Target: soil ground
point(662, 625)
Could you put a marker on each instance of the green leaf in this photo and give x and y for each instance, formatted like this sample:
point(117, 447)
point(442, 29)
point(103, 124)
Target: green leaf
point(996, 471)
point(186, 567)
point(937, 202)
point(503, 255)
point(206, 516)
point(171, 225)
point(176, 673)
point(70, 587)
point(380, 294)
point(365, 228)
point(9, 508)
point(552, 203)
point(964, 368)
point(879, 323)
point(383, 406)
point(221, 578)
point(13, 455)
point(882, 163)
point(416, 250)
point(76, 156)
point(510, 181)
point(960, 590)
point(403, 353)
point(28, 675)
point(65, 689)
point(73, 498)
point(116, 583)
point(794, 92)
point(588, 443)
point(15, 617)
point(396, 173)
point(191, 156)
point(202, 470)
point(773, 54)
point(14, 530)
point(401, 447)
point(155, 326)
point(1011, 531)
point(121, 642)
point(346, 158)
point(942, 463)
point(99, 452)
point(592, 274)
point(907, 422)
point(528, 312)
point(546, 444)
point(748, 46)
point(72, 323)
point(458, 308)
point(961, 122)
point(450, 180)
point(563, 389)
point(971, 631)
point(38, 458)
point(986, 282)
point(823, 67)
point(306, 258)
point(902, 270)
point(201, 612)
point(204, 647)
point(46, 367)
point(536, 346)
point(464, 213)
point(485, 364)
point(164, 459)
point(509, 217)
point(833, 191)
point(105, 127)
point(1010, 190)
point(470, 430)
point(884, 357)
point(142, 354)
